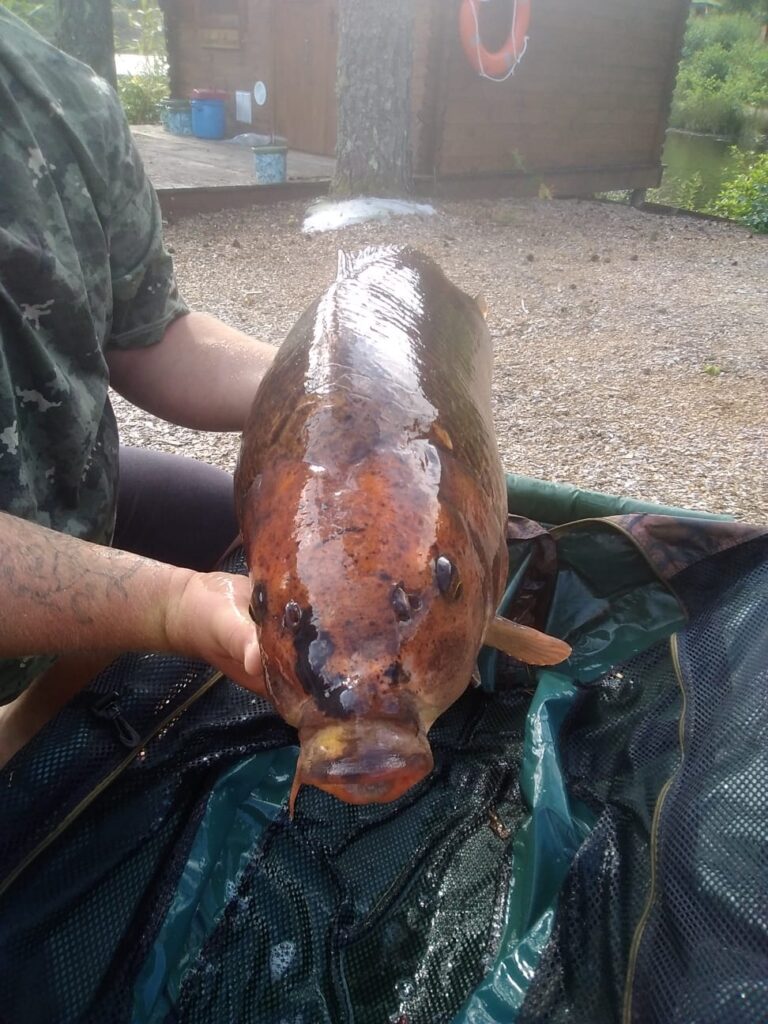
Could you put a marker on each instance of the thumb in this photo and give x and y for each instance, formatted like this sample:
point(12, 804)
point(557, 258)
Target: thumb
point(209, 619)
point(242, 647)
point(252, 662)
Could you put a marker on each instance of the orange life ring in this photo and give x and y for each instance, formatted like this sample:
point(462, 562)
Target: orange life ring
point(502, 63)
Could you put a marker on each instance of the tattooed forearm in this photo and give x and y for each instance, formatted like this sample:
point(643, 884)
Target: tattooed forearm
point(61, 594)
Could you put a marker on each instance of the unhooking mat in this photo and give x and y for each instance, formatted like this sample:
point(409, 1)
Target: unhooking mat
point(591, 847)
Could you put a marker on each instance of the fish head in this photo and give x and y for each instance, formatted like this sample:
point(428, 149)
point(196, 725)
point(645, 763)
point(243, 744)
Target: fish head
point(371, 600)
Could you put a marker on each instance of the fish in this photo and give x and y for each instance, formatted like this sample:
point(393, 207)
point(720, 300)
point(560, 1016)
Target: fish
point(372, 505)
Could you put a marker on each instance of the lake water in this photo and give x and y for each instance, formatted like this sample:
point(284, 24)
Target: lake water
point(685, 153)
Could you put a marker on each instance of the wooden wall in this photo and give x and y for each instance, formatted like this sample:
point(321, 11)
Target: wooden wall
point(426, 29)
point(592, 90)
point(304, 46)
point(291, 46)
point(591, 93)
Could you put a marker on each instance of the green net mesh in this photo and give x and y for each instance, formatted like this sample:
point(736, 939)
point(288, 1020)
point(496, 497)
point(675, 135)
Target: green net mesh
point(165, 882)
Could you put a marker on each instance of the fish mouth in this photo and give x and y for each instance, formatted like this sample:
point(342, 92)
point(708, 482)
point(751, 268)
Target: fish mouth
point(370, 762)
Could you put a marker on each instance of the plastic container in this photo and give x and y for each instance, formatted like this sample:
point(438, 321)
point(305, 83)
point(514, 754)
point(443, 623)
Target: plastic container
point(176, 116)
point(254, 139)
point(208, 114)
point(270, 162)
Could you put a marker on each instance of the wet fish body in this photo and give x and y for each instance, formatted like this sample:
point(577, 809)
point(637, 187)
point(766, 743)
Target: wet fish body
point(372, 503)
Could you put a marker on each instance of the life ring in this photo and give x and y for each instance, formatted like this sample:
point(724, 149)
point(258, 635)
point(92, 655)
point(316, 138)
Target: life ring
point(501, 64)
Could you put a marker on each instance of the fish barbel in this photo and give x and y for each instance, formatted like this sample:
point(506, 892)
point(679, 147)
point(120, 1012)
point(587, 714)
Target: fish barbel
point(372, 503)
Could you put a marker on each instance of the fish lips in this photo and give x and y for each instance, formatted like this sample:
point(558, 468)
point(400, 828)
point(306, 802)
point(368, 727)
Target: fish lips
point(364, 761)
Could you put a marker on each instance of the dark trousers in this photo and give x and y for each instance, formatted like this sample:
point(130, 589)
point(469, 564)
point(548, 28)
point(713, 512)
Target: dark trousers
point(174, 509)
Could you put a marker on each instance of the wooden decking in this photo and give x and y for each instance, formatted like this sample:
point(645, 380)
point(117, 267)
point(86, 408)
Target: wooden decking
point(181, 162)
point(196, 175)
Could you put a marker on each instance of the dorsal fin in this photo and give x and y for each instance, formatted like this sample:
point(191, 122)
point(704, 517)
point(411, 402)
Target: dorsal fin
point(344, 266)
point(351, 264)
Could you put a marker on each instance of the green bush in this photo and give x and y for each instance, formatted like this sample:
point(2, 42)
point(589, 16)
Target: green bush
point(40, 15)
point(713, 62)
point(724, 71)
point(718, 30)
point(682, 193)
point(141, 95)
point(744, 197)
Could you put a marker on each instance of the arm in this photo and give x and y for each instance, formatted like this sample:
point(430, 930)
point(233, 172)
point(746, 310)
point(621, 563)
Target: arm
point(70, 596)
point(202, 374)
point(188, 368)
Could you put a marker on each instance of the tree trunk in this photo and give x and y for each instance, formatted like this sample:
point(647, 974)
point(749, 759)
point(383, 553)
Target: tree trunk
point(173, 17)
point(373, 90)
point(84, 30)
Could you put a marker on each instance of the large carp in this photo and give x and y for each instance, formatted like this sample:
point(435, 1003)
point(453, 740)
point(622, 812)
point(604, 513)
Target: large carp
point(372, 504)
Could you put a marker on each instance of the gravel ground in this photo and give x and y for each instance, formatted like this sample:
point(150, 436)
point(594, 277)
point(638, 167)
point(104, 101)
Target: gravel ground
point(631, 350)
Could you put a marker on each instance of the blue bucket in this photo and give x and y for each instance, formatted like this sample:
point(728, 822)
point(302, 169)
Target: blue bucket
point(269, 163)
point(176, 117)
point(208, 119)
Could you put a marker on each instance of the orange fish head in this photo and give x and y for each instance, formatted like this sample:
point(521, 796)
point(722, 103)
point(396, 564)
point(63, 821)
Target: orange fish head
point(371, 602)
point(363, 672)
point(380, 647)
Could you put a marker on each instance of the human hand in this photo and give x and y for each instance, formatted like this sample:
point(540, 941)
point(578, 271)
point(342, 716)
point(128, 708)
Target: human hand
point(204, 615)
point(207, 617)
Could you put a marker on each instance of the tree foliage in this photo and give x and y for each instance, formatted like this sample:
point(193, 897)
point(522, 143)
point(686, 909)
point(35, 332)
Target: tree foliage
point(40, 15)
point(137, 28)
point(138, 24)
point(723, 75)
point(757, 8)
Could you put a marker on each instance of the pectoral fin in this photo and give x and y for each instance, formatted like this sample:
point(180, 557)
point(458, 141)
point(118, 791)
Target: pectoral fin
point(297, 784)
point(525, 643)
point(482, 304)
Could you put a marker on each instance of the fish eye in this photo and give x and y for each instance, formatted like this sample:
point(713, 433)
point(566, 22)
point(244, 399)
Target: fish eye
point(447, 575)
point(292, 616)
point(444, 571)
point(258, 606)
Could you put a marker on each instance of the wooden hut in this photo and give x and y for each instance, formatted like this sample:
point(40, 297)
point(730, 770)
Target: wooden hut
point(584, 108)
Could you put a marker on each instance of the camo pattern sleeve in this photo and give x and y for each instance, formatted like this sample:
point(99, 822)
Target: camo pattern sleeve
point(144, 294)
point(82, 268)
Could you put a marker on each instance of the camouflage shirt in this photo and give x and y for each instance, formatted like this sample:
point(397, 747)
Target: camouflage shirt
point(82, 269)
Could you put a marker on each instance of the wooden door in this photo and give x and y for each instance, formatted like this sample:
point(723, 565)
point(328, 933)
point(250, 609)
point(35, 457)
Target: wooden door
point(305, 74)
